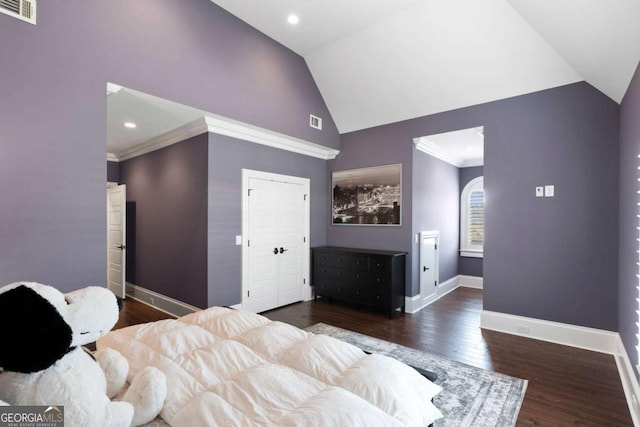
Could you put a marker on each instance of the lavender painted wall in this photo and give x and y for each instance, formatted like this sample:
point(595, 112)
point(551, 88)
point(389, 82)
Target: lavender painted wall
point(469, 266)
point(628, 256)
point(53, 218)
point(540, 259)
point(113, 172)
point(169, 189)
point(227, 158)
point(436, 206)
point(375, 147)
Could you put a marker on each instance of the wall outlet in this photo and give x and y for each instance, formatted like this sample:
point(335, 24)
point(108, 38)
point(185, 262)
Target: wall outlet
point(539, 191)
point(238, 240)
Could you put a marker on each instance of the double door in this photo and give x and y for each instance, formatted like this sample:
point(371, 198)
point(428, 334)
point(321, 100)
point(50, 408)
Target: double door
point(276, 247)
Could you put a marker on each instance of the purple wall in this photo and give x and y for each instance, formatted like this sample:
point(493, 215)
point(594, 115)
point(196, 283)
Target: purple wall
point(113, 172)
point(375, 147)
point(540, 259)
point(628, 255)
point(53, 219)
point(169, 189)
point(436, 206)
point(227, 158)
point(469, 266)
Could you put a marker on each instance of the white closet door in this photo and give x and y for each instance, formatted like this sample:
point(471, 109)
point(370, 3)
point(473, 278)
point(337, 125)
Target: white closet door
point(276, 246)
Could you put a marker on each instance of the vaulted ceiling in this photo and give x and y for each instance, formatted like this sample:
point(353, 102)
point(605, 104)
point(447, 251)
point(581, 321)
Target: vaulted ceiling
point(382, 61)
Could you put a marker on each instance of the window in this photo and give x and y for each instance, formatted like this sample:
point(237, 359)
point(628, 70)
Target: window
point(472, 219)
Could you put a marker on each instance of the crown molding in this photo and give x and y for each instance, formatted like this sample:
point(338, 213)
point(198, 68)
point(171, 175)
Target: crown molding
point(174, 136)
point(112, 157)
point(113, 88)
point(434, 150)
point(235, 129)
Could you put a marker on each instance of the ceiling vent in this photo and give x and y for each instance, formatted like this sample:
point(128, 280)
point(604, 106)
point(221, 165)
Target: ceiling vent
point(24, 10)
point(314, 121)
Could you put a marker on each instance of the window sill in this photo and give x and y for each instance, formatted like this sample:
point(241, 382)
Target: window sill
point(472, 254)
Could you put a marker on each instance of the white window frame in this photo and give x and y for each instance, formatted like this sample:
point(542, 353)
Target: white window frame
point(467, 250)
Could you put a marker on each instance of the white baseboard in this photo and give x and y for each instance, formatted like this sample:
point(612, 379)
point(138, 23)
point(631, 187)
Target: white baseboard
point(471, 281)
point(560, 333)
point(415, 304)
point(412, 304)
point(575, 336)
point(629, 381)
point(160, 302)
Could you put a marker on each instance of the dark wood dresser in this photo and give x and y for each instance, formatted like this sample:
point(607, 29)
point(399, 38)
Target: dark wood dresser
point(368, 277)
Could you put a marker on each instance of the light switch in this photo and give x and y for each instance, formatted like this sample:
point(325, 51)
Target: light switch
point(539, 191)
point(549, 190)
point(238, 240)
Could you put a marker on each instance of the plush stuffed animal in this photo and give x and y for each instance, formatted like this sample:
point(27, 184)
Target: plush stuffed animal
point(42, 361)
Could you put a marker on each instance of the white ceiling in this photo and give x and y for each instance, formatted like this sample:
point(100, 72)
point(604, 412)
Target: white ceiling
point(381, 61)
point(153, 116)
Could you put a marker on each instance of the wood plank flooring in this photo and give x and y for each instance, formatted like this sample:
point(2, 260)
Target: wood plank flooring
point(567, 386)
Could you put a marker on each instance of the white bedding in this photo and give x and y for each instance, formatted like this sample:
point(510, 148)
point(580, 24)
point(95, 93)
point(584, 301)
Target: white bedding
point(233, 368)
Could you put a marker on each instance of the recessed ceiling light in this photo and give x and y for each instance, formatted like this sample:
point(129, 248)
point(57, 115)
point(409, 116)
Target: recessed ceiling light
point(293, 19)
point(130, 125)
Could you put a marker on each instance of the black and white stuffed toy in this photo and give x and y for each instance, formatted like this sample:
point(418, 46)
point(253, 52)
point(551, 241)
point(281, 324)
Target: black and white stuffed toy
point(42, 361)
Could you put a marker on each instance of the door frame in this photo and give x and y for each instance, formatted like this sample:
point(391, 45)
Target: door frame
point(435, 234)
point(248, 174)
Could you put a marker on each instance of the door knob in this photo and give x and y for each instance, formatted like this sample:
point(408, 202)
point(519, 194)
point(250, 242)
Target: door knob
point(275, 251)
point(283, 250)
point(424, 268)
point(122, 247)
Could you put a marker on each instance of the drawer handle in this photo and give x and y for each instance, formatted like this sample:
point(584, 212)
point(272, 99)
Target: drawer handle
point(378, 280)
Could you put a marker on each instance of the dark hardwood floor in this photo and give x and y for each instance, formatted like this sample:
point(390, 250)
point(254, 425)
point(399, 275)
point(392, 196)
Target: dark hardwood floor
point(567, 386)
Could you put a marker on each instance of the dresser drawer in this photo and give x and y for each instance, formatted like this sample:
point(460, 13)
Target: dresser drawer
point(331, 273)
point(379, 264)
point(355, 262)
point(331, 289)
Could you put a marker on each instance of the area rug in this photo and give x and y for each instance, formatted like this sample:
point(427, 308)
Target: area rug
point(471, 396)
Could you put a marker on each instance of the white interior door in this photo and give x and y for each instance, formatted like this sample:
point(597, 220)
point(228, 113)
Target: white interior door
point(428, 265)
point(262, 241)
point(276, 250)
point(291, 208)
point(116, 228)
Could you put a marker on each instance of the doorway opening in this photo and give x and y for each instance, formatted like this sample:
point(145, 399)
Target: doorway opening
point(462, 242)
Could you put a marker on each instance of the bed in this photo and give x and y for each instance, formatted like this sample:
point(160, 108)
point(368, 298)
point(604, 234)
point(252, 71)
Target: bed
point(228, 367)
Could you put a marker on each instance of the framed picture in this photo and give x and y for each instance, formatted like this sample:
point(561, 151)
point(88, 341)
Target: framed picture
point(367, 196)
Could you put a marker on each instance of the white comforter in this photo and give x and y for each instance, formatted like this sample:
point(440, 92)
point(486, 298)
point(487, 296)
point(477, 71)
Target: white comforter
point(233, 368)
